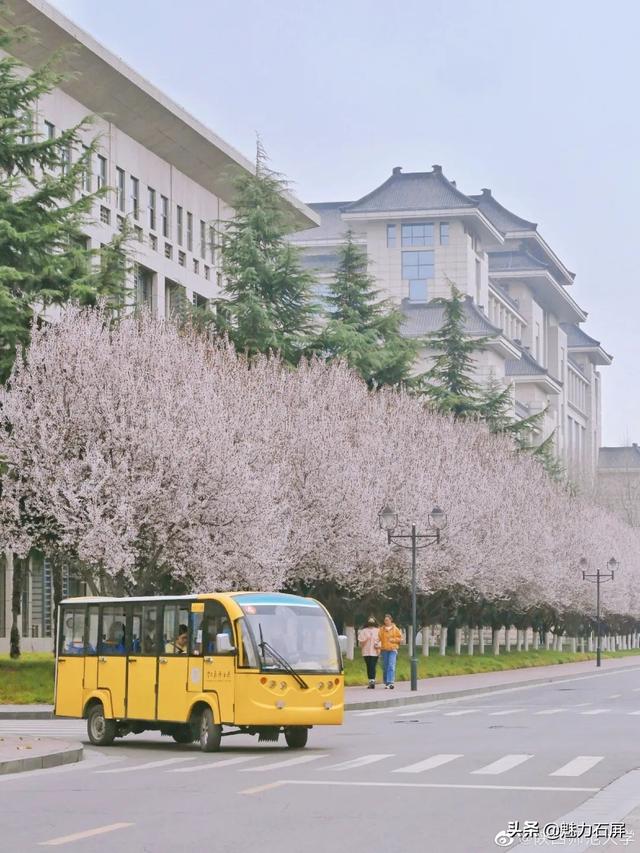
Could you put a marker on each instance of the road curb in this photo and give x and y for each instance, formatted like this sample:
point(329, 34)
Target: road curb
point(422, 698)
point(26, 715)
point(69, 754)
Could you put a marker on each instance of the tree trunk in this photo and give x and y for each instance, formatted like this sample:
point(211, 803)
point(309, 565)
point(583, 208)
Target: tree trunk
point(481, 639)
point(458, 641)
point(426, 637)
point(470, 643)
point(350, 631)
point(443, 640)
point(496, 641)
point(16, 608)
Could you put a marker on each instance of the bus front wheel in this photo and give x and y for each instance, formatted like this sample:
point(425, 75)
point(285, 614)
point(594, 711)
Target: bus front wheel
point(101, 731)
point(210, 732)
point(296, 736)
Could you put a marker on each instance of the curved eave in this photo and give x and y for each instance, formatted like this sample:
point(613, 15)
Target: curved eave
point(542, 380)
point(565, 273)
point(595, 354)
point(551, 294)
point(503, 347)
point(107, 87)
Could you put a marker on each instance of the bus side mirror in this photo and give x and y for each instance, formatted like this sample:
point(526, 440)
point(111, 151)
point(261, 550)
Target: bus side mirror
point(343, 641)
point(223, 644)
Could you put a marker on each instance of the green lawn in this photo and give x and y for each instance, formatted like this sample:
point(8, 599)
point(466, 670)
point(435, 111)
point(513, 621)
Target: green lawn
point(30, 679)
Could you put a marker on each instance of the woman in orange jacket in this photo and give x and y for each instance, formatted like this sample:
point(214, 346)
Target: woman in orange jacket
point(390, 638)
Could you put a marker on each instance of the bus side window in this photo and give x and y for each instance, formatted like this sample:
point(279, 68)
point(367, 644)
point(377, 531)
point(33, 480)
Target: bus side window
point(92, 630)
point(149, 629)
point(114, 620)
point(249, 656)
point(72, 633)
point(216, 621)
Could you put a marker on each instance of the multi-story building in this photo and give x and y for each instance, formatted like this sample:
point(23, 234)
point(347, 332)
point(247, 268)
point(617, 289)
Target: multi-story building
point(421, 235)
point(618, 483)
point(169, 175)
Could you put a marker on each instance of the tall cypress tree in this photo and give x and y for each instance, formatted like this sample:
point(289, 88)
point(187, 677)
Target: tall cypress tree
point(266, 303)
point(361, 328)
point(43, 256)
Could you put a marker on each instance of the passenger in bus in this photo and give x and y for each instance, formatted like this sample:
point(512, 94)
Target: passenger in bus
point(114, 644)
point(179, 645)
point(149, 637)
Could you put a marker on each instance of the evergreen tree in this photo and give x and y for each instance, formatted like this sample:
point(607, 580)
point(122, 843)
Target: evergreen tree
point(361, 328)
point(266, 304)
point(43, 256)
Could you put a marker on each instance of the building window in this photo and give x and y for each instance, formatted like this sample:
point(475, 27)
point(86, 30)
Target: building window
point(196, 266)
point(207, 272)
point(144, 287)
point(420, 234)
point(418, 290)
point(152, 208)
point(85, 181)
point(391, 236)
point(66, 160)
point(49, 130)
point(182, 259)
point(135, 197)
point(120, 190)
point(200, 301)
point(153, 242)
point(164, 215)
point(212, 244)
point(203, 240)
point(417, 265)
point(189, 232)
point(105, 215)
point(174, 299)
point(179, 220)
point(120, 221)
point(168, 250)
point(139, 233)
point(444, 233)
point(102, 172)
point(478, 282)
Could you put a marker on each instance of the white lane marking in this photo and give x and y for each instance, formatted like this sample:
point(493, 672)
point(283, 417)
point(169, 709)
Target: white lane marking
point(78, 836)
point(131, 768)
point(428, 763)
point(420, 712)
point(635, 689)
point(581, 704)
point(595, 711)
point(550, 711)
point(479, 787)
point(460, 713)
point(504, 713)
point(615, 696)
point(373, 712)
point(212, 765)
point(633, 713)
point(507, 762)
point(578, 765)
point(288, 762)
point(359, 762)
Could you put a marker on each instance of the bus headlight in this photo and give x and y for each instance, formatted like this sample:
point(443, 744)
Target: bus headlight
point(283, 685)
point(321, 685)
point(328, 706)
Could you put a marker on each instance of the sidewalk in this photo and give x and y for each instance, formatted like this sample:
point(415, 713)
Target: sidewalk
point(18, 754)
point(429, 689)
point(450, 686)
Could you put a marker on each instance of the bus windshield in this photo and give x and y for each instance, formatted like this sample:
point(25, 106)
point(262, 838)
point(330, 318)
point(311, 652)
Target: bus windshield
point(301, 634)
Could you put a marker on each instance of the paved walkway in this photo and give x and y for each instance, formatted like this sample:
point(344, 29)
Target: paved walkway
point(18, 754)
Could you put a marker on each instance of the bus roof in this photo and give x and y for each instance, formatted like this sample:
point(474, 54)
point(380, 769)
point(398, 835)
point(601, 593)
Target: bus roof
point(238, 597)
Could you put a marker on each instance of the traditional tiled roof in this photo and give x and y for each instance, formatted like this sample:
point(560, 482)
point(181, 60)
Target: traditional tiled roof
point(413, 191)
point(517, 261)
point(331, 225)
point(619, 457)
point(526, 365)
point(503, 219)
point(421, 319)
point(576, 337)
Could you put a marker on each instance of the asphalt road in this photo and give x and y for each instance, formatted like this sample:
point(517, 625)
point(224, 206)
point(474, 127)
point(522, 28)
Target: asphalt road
point(444, 776)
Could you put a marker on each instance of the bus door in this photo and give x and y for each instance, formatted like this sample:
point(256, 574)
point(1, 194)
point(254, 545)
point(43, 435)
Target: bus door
point(142, 666)
point(112, 657)
point(219, 656)
point(70, 663)
point(173, 663)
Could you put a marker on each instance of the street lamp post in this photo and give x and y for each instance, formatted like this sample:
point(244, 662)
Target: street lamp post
point(598, 577)
point(388, 519)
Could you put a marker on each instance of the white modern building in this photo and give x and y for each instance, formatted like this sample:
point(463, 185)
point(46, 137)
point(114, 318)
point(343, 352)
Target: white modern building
point(421, 234)
point(171, 177)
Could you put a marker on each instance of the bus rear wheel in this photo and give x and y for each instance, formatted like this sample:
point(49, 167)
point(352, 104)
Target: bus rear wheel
point(101, 731)
point(210, 732)
point(296, 736)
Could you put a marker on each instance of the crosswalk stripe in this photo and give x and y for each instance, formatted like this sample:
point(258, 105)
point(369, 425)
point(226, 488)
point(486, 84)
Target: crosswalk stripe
point(213, 765)
point(578, 765)
point(460, 713)
point(288, 762)
point(595, 711)
point(130, 768)
point(550, 711)
point(505, 713)
point(428, 763)
point(358, 762)
point(507, 762)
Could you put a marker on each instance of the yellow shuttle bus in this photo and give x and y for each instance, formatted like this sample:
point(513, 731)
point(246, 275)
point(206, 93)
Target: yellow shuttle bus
point(191, 666)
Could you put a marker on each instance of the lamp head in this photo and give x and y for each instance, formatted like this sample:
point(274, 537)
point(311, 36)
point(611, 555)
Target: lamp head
point(388, 518)
point(437, 518)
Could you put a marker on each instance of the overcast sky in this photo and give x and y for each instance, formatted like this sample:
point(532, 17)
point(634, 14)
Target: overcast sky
point(536, 100)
